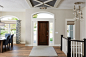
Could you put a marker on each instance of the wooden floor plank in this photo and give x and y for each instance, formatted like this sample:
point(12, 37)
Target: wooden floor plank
point(20, 50)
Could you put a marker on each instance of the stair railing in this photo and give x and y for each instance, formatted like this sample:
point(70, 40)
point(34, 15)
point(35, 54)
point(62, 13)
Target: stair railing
point(73, 48)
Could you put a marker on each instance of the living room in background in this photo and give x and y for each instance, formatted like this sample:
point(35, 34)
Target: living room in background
point(42, 16)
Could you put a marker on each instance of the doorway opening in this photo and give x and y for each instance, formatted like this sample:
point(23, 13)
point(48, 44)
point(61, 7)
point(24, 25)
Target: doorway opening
point(45, 18)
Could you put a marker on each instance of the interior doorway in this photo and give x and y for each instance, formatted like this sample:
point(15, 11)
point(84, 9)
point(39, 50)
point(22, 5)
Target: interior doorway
point(43, 32)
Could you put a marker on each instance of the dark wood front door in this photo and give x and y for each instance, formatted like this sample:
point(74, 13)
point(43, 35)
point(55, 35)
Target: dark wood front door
point(43, 32)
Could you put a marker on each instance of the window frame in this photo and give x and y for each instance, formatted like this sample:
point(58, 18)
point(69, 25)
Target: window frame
point(66, 27)
point(9, 27)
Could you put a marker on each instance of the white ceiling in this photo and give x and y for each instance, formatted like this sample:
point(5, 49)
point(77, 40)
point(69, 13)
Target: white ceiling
point(14, 5)
point(69, 4)
point(21, 5)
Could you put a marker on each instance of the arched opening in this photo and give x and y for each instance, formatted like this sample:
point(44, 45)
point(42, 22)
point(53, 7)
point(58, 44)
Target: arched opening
point(42, 16)
point(10, 25)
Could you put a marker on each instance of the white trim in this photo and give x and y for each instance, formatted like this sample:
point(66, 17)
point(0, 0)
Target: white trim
point(58, 2)
point(8, 16)
point(36, 44)
point(9, 21)
point(41, 19)
point(28, 45)
point(29, 3)
point(22, 42)
point(42, 12)
point(57, 45)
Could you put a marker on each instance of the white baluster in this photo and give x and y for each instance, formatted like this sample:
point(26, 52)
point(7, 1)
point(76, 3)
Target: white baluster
point(81, 49)
point(78, 44)
point(71, 48)
point(76, 49)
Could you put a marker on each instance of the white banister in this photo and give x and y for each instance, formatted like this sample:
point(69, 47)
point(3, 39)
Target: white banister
point(71, 48)
point(76, 49)
point(81, 49)
point(64, 45)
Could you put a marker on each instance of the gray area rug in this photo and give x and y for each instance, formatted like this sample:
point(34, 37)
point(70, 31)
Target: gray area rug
point(43, 51)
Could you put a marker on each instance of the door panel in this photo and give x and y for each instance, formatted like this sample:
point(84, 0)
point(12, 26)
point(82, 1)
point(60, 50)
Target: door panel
point(43, 32)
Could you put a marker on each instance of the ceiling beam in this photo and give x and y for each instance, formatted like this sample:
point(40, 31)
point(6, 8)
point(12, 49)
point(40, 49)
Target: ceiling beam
point(48, 1)
point(29, 3)
point(58, 2)
point(48, 5)
point(41, 3)
point(38, 4)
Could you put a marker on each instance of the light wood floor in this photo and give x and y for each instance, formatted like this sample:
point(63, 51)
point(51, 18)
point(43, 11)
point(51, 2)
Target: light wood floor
point(20, 50)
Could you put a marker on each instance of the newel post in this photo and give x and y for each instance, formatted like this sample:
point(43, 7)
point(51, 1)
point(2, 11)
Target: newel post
point(61, 41)
point(69, 47)
point(84, 47)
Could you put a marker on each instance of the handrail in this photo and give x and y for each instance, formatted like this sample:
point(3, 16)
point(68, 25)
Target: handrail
point(77, 40)
point(65, 38)
point(69, 46)
point(74, 40)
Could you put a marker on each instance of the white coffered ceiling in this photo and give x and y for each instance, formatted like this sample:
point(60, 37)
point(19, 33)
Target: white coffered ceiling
point(21, 5)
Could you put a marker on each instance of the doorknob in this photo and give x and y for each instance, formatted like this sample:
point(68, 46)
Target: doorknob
point(47, 35)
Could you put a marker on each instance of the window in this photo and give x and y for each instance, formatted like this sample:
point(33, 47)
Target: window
point(4, 29)
point(13, 29)
point(35, 31)
point(51, 32)
point(43, 15)
point(70, 31)
point(10, 26)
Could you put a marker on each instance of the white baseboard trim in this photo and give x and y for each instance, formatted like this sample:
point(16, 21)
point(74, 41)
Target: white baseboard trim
point(57, 45)
point(28, 44)
point(22, 42)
